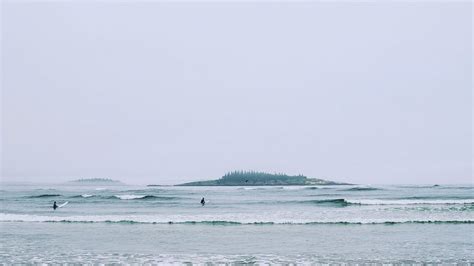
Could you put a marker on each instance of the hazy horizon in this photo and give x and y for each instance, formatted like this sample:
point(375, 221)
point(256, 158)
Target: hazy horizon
point(164, 93)
point(131, 182)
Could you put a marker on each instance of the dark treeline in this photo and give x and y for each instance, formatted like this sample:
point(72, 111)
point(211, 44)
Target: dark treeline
point(254, 177)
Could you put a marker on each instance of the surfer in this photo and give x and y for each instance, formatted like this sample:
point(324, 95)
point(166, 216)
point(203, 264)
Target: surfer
point(203, 202)
point(55, 206)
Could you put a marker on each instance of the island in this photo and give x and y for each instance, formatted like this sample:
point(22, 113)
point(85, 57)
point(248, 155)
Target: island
point(253, 178)
point(96, 181)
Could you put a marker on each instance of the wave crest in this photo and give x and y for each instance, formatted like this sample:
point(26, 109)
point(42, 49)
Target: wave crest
point(83, 196)
point(45, 196)
point(140, 197)
point(6, 217)
point(332, 202)
point(362, 189)
point(410, 202)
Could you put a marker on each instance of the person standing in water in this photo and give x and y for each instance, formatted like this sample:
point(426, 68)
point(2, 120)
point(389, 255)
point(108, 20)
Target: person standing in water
point(55, 206)
point(203, 202)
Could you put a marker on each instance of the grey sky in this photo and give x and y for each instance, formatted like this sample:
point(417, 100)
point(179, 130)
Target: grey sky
point(166, 92)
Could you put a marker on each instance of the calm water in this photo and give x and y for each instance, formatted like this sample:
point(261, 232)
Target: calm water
point(130, 224)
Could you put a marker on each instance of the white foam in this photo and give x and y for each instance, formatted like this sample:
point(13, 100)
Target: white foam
point(86, 195)
point(129, 197)
point(148, 219)
point(408, 202)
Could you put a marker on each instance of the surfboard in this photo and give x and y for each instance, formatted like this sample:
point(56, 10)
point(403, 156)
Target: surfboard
point(64, 204)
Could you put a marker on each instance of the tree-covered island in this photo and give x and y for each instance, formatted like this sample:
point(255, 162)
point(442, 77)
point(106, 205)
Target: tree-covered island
point(253, 178)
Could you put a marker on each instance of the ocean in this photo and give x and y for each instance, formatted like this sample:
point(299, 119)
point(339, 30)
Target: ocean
point(403, 224)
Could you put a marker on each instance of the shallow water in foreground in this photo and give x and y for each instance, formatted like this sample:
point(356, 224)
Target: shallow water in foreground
point(340, 224)
point(130, 243)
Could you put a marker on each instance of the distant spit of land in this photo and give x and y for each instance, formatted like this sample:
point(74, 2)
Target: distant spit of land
point(95, 181)
point(253, 178)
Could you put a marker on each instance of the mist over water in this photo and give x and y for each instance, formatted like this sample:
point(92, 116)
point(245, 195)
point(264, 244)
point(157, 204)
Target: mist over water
point(187, 91)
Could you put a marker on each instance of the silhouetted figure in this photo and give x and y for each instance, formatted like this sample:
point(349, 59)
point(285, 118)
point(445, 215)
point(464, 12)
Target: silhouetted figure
point(203, 202)
point(55, 206)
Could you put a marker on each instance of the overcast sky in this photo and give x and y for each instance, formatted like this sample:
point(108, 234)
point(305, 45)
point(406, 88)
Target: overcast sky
point(161, 92)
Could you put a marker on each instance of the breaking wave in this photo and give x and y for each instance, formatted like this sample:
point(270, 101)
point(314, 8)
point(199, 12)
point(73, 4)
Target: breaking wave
point(6, 217)
point(331, 202)
point(340, 202)
point(44, 196)
point(140, 197)
point(462, 187)
point(362, 189)
point(83, 196)
point(410, 202)
point(469, 197)
point(125, 197)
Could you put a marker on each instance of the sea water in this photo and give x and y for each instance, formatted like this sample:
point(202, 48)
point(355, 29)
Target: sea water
point(279, 224)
